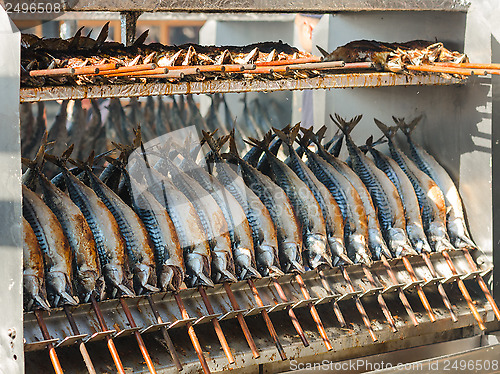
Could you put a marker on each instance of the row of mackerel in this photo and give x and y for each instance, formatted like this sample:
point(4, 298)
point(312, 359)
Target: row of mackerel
point(384, 194)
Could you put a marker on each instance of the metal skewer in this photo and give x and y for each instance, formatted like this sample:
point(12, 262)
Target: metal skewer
point(381, 301)
point(81, 344)
point(420, 291)
point(109, 341)
point(401, 293)
point(52, 351)
point(440, 287)
point(359, 305)
point(463, 289)
point(314, 313)
point(268, 321)
point(482, 283)
point(218, 329)
point(291, 313)
point(241, 321)
point(138, 337)
point(192, 334)
point(164, 331)
point(336, 307)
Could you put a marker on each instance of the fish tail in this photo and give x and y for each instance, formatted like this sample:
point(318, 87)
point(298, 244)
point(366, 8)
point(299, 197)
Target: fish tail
point(346, 126)
point(405, 127)
point(389, 131)
point(288, 135)
point(261, 144)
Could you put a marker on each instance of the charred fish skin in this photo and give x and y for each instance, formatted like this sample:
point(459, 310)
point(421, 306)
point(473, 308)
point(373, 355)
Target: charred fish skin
point(306, 208)
point(456, 224)
point(280, 209)
point(414, 226)
point(55, 248)
point(376, 242)
point(211, 218)
point(34, 293)
point(109, 243)
point(350, 204)
point(167, 250)
point(239, 228)
point(329, 207)
point(88, 278)
point(192, 239)
point(383, 192)
point(139, 252)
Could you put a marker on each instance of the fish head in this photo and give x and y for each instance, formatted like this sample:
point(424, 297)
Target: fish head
point(87, 281)
point(267, 261)
point(357, 245)
point(377, 245)
point(418, 241)
point(458, 233)
point(337, 248)
point(34, 292)
point(317, 253)
point(171, 278)
point(144, 279)
point(59, 289)
point(290, 257)
point(438, 237)
point(398, 242)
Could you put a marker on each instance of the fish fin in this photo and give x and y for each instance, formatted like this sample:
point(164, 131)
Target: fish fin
point(140, 40)
point(125, 290)
point(346, 126)
point(274, 271)
point(298, 267)
point(67, 299)
point(252, 273)
point(389, 131)
point(44, 304)
point(322, 51)
point(73, 44)
point(233, 149)
point(103, 35)
point(227, 276)
point(346, 259)
point(150, 288)
point(204, 280)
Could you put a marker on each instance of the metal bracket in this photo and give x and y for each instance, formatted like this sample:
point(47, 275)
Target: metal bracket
point(372, 291)
point(126, 332)
point(231, 314)
point(68, 340)
point(414, 284)
point(392, 288)
point(487, 271)
point(280, 306)
point(154, 327)
point(181, 323)
point(206, 319)
point(326, 299)
point(432, 281)
point(35, 346)
point(98, 335)
point(471, 275)
point(256, 310)
point(451, 278)
point(348, 295)
point(305, 302)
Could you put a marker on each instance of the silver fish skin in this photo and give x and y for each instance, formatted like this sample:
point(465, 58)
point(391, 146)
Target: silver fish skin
point(109, 243)
point(331, 212)
point(306, 208)
point(350, 204)
point(238, 226)
point(170, 268)
point(414, 226)
point(55, 248)
point(192, 238)
point(376, 242)
point(211, 217)
point(88, 278)
point(139, 251)
point(281, 211)
point(455, 221)
point(383, 192)
point(34, 293)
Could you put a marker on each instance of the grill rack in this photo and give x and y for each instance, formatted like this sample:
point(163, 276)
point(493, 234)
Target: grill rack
point(119, 326)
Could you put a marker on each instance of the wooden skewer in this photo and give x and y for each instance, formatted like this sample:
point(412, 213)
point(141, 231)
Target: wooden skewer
point(81, 344)
point(166, 336)
point(359, 65)
point(465, 293)
point(52, 72)
point(52, 351)
point(86, 70)
point(140, 72)
point(302, 60)
point(336, 307)
point(359, 305)
point(401, 293)
point(420, 291)
point(108, 66)
point(109, 341)
point(241, 320)
point(381, 301)
point(291, 313)
point(440, 287)
point(128, 69)
point(217, 328)
point(192, 334)
point(314, 313)
point(138, 337)
point(171, 74)
point(443, 69)
point(468, 65)
point(482, 283)
point(268, 321)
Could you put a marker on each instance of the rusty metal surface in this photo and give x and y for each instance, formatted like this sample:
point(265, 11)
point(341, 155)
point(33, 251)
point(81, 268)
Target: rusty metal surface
point(344, 340)
point(280, 6)
point(227, 86)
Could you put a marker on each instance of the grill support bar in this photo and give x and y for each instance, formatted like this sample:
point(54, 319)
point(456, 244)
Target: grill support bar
point(52, 351)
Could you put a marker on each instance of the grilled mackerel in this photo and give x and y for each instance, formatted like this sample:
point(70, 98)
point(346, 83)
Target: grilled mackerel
point(383, 192)
point(55, 248)
point(34, 293)
point(455, 221)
